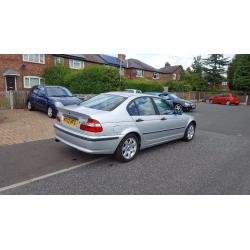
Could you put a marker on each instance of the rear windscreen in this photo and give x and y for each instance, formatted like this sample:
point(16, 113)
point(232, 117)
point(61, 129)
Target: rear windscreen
point(105, 102)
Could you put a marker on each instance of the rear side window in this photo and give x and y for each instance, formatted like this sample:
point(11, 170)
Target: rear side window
point(145, 106)
point(132, 109)
point(105, 102)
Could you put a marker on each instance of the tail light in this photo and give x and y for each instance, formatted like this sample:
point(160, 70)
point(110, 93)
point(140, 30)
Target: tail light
point(92, 125)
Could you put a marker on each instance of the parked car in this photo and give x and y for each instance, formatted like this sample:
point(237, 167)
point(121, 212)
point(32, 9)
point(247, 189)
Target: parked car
point(170, 102)
point(227, 99)
point(133, 91)
point(49, 98)
point(121, 123)
point(179, 104)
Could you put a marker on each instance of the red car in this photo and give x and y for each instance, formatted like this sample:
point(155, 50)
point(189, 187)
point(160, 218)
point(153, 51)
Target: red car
point(225, 99)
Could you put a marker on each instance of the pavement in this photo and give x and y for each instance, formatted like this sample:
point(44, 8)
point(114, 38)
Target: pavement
point(21, 125)
point(217, 161)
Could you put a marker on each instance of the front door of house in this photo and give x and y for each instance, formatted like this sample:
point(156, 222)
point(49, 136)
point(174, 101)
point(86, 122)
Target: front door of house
point(11, 83)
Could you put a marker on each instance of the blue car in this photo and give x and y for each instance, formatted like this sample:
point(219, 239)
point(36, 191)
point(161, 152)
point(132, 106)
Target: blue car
point(49, 98)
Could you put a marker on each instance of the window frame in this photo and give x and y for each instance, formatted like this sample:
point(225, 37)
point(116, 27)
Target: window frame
point(58, 63)
point(161, 99)
point(40, 78)
point(139, 70)
point(156, 78)
point(26, 58)
point(154, 106)
point(71, 65)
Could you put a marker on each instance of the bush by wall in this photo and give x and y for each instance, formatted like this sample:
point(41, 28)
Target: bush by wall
point(143, 85)
point(58, 75)
point(177, 86)
point(95, 80)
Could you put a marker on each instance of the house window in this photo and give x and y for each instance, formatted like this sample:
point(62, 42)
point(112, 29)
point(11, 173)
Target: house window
point(76, 64)
point(224, 83)
point(139, 72)
point(58, 60)
point(174, 76)
point(30, 81)
point(34, 58)
point(156, 75)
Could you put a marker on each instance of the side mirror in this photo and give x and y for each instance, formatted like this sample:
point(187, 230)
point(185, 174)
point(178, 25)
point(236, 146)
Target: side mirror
point(177, 112)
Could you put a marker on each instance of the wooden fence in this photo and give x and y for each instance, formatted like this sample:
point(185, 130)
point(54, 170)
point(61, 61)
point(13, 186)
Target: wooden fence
point(13, 99)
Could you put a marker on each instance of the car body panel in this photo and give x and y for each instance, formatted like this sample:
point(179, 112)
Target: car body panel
point(186, 104)
point(117, 124)
point(224, 98)
point(40, 100)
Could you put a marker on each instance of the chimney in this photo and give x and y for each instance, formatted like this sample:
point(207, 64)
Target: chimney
point(167, 64)
point(122, 57)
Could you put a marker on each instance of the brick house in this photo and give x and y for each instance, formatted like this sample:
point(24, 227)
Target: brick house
point(22, 71)
point(135, 69)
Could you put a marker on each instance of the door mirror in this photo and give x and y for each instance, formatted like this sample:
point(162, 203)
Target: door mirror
point(177, 112)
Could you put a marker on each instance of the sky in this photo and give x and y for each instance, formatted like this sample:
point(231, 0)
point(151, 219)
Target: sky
point(159, 60)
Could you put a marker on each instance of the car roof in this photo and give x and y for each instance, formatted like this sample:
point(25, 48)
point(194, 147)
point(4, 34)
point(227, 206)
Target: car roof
point(126, 94)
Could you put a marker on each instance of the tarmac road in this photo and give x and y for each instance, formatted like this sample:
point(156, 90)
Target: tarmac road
point(217, 161)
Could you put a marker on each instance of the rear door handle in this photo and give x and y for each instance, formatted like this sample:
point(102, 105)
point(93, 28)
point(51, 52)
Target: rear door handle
point(139, 120)
point(163, 118)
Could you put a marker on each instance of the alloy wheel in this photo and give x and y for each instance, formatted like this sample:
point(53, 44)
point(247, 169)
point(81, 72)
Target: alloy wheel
point(50, 112)
point(129, 148)
point(29, 106)
point(190, 132)
point(178, 107)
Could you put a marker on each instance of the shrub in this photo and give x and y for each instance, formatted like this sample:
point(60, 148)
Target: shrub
point(95, 80)
point(143, 85)
point(177, 86)
point(58, 75)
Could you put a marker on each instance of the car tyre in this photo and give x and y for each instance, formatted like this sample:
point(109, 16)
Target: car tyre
point(50, 112)
point(190, 132)
point(178, 107)
point(128, 148)
point(29, 106)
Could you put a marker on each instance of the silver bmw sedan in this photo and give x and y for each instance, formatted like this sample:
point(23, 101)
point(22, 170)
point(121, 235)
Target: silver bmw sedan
point(121, 123)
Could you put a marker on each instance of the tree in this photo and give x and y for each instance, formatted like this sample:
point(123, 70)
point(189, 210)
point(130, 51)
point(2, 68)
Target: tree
point(241, 72)
point(197, 66)
point(195, 80)
point(214, 68)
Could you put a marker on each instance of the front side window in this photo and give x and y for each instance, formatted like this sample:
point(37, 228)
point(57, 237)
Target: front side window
point(145, 106)
point(105, 102)
point(58, 60)
point(76, 64)
point(162, 106)
point(30, 81)
point(139, 72)
point(156, 75)
point(34, 58)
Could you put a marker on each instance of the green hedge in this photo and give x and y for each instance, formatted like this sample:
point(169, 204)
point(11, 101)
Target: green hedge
point(143, 85)
point(177, 86)
point(95, 80)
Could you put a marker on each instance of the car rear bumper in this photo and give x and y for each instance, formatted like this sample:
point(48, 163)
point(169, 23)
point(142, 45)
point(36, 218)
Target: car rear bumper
point(87, 144)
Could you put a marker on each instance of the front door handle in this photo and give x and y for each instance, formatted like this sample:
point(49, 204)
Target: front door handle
point(163, 118)
point(139, 120)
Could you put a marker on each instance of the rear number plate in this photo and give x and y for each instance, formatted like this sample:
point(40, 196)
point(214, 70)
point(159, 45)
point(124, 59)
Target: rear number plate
point(70, 121)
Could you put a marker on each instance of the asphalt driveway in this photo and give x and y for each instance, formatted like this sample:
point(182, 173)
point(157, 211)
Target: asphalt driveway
point(217, 161)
